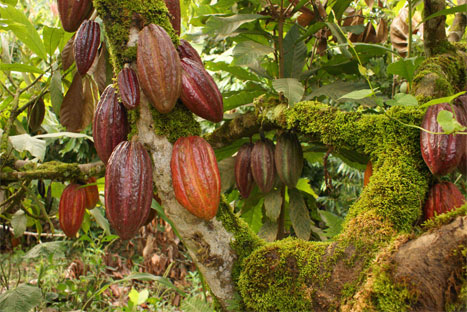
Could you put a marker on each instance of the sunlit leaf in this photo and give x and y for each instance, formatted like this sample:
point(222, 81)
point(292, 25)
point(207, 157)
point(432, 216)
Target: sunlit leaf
point(272, 204)
point(447, 99)
point(19, 222)
point(23, 68)
point(20, 299)
point(223, 27)
point(52, 37)
point(292, 88)
point(24, 142)
point(358, 94)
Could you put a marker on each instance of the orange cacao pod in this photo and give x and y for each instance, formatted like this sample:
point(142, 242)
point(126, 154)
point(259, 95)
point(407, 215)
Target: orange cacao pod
point(200, 93)
point(128, 188)
point(71, 209)
point(442, 153)
point(195, 176)
point(92, 193)
point(86, 45)
point(109, 126)
point(159, 69)
point(73, 12)
point(243, 176)
point(288, 157)
point(128, 86)
point(185, 50)
point(262, 165)
point(174, 10)
point(442, 197)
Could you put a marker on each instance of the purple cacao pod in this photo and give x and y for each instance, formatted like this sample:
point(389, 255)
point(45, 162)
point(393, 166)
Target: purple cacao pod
point(128, 87)
point(185, 50)
point(288, 157)
point(73, 12)
point(243, 175)
point(86, 45)
point(174, 10)
point(262, 165)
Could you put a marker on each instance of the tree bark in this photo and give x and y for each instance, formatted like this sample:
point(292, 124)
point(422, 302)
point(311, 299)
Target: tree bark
point(434, 33)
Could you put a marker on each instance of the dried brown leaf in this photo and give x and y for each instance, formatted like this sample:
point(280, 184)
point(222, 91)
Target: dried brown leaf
point(36, 114)
point(67, 54)
point(369, 35)
point(370, 3)
point(100, 71)
point(382, 31)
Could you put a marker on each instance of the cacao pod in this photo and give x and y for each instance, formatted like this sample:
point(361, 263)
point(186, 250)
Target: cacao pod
point(174, 10)
point(73, 12)
point(288, 157)
point(368, 173)
point(128, 86)
point(200, 93)
point(262, 165)
point(185, 50)
point(195, 176)
point(243, 176)
point(441, 152)
point(92, 193)
point(71, 209)
point(128, 188)
point(159, 69)
point(151, 215)
point(86, 45)
point(110, 125)
point(41, 188)
point(36, 114)
point(462, 101)
point(442, 197)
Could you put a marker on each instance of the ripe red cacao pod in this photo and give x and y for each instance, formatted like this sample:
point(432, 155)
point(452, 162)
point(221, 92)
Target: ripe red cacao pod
point(442, 197)
point(262, 165)
point(73, 12)
point(195, 176)
point(441, 152)
point(243, 175)
point(288, 157)
point(71, 209)
point(110, 125)
point(159, 69)
point(92, 193)
point(86, 45)
point(174, 11)
point(128, 87)
point(128, 188)
point(185, 50)
point(368, 173)
point(200, 93)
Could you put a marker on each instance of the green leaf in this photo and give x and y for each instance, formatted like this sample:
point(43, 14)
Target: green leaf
point(340, 38)
point(22, 68)
point(52, 37)
point(66, 134)
point(227, 172)
point(272, 204)
point(405, 67)
point(241, 98)
point(294, 53)
point(25, 142)
point(303, 185)
point(150, 277)
point(56, 94)
point(312, 29)
point(17, 22)
point(46, 249)
point(223, 27)
point(333, 222)
point(447, 99)
point(268, 231)
point(447, 121)
point(292, 88)
point(358, 94)
point(299, 215)
point(338, 6)
point(235, 71)
point(403, 99)
point(250, 52)
point(19, 222)
point(254, 215)
point(460, 8)
point(195, 304)
point(100, 219)
point(23, 298)
point(138, 297)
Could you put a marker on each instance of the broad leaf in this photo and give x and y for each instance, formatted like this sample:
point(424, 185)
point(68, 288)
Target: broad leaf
point(403, 99)
point(56, 94)
point(241, 98)
point(272, 204)
point(24, 142)
point(23, 298)
point(299, 214)
point(46, 249)
point(447, 121)
point(405, 67)
point(338, 6)
point(333, 222)
point(21, 68)
point(250, 52)
point(19, 222)
point(292, 88)
point(358, 94)
point(52, 37)
point(100, 219)
point(254, 215)
point(57, 135)
point(223, 27)
point(460, 8)
point(294, 53)
point(268, 231)
point(304, 186)
point(446, 99)
point(67, 55)
point(235, 71)
point(226, 170)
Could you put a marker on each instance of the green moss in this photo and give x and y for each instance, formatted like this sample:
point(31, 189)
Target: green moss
point(132, 117)
point(180, 122)
point(444, 218)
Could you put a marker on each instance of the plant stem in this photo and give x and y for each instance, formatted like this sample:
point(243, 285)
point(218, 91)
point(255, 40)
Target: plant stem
point(280, 39)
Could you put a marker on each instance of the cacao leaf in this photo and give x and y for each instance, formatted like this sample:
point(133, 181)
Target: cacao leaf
point(56, 94)
point(292, 88)
point(67, 54)
point(78, 106)
point(100, 219)
point(20, 299)
point(268, 231)
point(272, 204)
point(103, 71)
point(36, 114)
point(19, 222)
point(52, 37)
point(295, 53)
point(299, 215)
point(226, 170)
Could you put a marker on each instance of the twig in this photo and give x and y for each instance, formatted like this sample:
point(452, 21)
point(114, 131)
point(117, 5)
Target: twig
point(33, 233)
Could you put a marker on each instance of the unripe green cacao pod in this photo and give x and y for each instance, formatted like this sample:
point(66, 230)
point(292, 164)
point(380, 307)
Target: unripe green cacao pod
point(71, 209)
point(159, 69)
point(442, 153)
point(110, 125)
point(262, 165)
point(200, 93)
point(86, 45)
point(128, 188)
point(442, 197)
point(195, 176)
point(288, 157)
point(243, 175)
point(73, 12)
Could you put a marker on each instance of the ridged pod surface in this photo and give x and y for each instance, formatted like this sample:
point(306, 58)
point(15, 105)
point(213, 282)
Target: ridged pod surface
point(195, 176)
point(110, 125)
point(442, 197)
point(92, 193)
point(441, 152)
point(262, 165)
point(159, 69)
point(86, 45)
point(242, 170)
point(73, 12)
point(288, 157)
point(71, 209)
point(174, 10)
point(185, 50)
point(128, 188)
point(128, 87)
point(200, 93)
